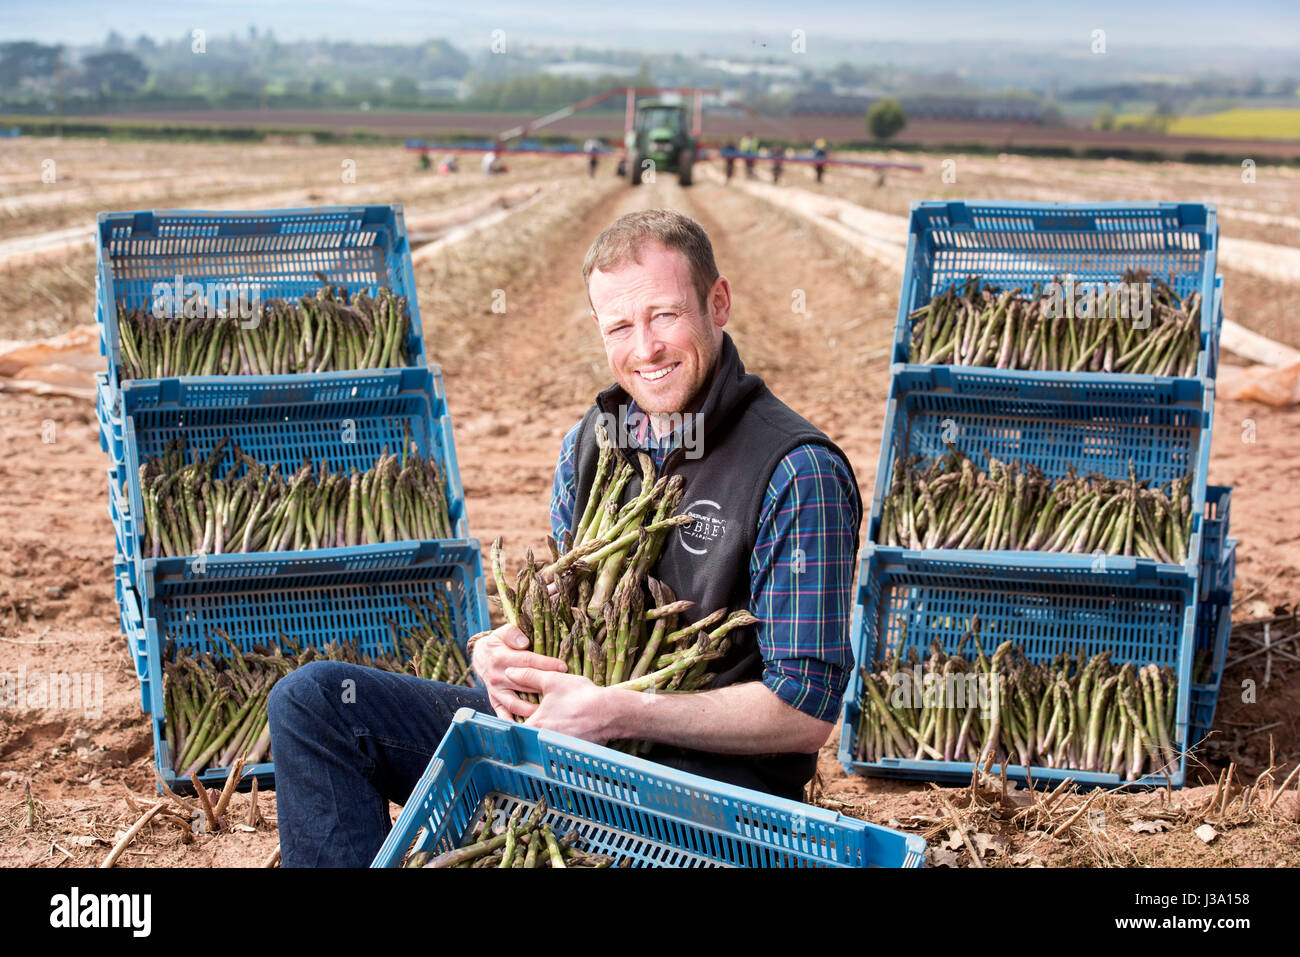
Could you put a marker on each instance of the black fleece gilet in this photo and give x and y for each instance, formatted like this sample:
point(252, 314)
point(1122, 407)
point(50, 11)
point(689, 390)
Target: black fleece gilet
point(742, 432)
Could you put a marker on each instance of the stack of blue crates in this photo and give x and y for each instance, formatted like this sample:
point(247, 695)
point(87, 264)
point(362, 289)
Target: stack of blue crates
point(1140, 609)
point(345, 417)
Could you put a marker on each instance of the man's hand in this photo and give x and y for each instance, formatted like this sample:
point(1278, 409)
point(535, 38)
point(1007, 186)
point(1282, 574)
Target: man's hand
point(571, 704)
point(505, 649)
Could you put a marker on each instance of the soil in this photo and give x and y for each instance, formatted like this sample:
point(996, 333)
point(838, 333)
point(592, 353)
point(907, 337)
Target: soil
point(516, 380)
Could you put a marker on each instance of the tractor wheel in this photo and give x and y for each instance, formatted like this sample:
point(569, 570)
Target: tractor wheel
point(634, 169)
point(685, 162)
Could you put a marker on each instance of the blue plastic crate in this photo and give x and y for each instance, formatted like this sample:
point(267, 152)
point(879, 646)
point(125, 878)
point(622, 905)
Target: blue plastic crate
point(924, 414)
point(1078, 387)
point(272, 421)
point(1214, 531)
point(912, 601)
point(129, 604)
point(283, 250)
point(1219, 587)
point(1217, 330)
point(626, 807)
point(313, 606)
point(122, 586)
point(1213, 630)
point(132, 622)
point(119, 511)
point(1019, 244)
point(108, 411)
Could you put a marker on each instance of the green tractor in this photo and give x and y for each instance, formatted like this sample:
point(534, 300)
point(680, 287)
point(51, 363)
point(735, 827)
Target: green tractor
point(660, 135)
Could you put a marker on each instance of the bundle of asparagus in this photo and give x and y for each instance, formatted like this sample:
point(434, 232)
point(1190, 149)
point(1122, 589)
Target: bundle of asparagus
point(952, 503)
point(215, 702)
point(188, 511)
point(588, 605)
point(428, 649)
point(1086, 715)
point(322, 333)
point(1008, 330)
point(519, 842)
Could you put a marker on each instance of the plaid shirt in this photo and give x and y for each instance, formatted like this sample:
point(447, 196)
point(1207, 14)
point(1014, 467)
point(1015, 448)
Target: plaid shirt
point(803, 600)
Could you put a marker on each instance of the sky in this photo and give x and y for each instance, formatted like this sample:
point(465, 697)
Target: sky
point(652, 24)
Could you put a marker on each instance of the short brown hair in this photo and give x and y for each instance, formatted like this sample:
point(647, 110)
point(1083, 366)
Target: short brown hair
point(623, 239)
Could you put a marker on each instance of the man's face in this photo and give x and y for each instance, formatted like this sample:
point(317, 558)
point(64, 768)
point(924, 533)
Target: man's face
point(661, 341)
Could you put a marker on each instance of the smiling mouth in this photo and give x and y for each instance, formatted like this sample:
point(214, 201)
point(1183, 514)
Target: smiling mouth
point(655, 375)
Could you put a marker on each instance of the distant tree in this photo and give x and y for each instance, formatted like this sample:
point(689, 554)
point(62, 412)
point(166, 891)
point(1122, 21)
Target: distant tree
point(238, 87)
point(25, 60)
point(361, 86)
point(1158, 121)
point(1105, 119)
point(846, 74)
point(175, 82)
point(518, 93)
point(438, 58)
point(885, 118)
point(403, 88)
point(114, 74)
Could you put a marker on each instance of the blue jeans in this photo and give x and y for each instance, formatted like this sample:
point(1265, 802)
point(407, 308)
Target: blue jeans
point(347, 740)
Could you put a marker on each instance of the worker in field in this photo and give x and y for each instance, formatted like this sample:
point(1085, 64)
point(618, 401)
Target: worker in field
point(778, 163)
point(592, 149)
point(749, 147)
point(729, 160)
point(777, 512)
point(819, 153)
point(491, 160)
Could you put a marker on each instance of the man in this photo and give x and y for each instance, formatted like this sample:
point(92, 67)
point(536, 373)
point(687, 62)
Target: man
point(492, 163)
point(593, 149)
point(819, 152)
point(777, 511)
point(729, 155)
point(749, 147)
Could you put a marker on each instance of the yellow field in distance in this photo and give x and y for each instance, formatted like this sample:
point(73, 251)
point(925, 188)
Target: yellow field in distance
point(1231, 124)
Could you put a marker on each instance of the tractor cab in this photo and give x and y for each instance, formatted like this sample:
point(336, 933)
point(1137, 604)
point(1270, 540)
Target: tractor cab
point(660, 139)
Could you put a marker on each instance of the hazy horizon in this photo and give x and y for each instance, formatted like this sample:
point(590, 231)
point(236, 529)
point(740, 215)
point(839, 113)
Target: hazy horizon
point(763, 25)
